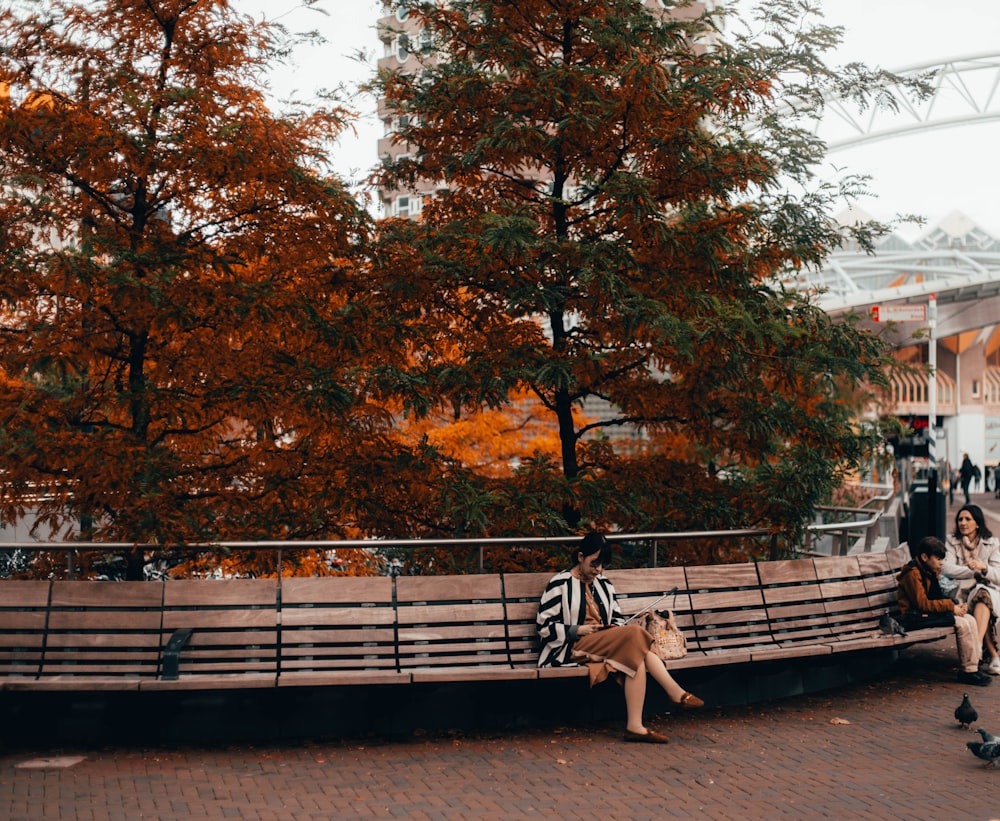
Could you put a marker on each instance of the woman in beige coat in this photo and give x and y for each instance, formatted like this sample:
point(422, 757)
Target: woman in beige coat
point(973, 560)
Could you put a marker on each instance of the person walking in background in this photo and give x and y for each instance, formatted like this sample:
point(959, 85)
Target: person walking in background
point(965, 472)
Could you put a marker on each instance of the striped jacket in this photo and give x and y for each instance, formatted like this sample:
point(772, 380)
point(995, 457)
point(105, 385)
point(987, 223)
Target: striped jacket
point(563, 608)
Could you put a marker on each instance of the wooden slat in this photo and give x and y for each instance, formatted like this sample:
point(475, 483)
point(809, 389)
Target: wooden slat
point(103, 629)
point(898, 557)
point(794, 601)
point(235, 625)
point(880, 581)
point(75, 683)
point(335, 628)
point(451, 622)
point(642, 588)
point(341, 678)
point(522, 592)
point(214, 681)
point(22, 595)
point(525, 586)
point(494, 672)
point(727, 608)
point(23, 614)
point(845, 598)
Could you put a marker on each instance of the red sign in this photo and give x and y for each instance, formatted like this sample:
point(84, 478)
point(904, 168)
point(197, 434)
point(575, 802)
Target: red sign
point(898, 313)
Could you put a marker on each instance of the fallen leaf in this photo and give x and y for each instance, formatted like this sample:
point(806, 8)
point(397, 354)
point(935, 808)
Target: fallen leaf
point(839, 721)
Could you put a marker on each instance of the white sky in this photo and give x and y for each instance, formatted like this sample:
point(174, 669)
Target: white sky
point(931, 173)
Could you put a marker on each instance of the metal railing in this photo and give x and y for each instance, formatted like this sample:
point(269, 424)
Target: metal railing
point(825, 538)
point(839, 537)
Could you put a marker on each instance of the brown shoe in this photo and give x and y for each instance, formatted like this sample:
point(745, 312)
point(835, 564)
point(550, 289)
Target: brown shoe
point(648, 737)
point(690, 702)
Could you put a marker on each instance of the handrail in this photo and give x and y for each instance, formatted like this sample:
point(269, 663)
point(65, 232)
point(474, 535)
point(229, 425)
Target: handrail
point(332, 544)
point(845, 529)
point(381, 544)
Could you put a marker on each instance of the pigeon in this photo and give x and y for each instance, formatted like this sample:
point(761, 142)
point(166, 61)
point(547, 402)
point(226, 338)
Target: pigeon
point(966, 713)
point(890, 626)
point(988, 749)
point(988, 738)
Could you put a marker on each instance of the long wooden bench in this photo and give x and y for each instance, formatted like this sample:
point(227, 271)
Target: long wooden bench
point(196, 634)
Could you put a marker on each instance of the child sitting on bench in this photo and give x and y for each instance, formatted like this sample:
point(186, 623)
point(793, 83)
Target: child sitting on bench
point(922, 604)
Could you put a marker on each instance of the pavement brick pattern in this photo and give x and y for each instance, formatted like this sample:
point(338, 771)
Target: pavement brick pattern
point(888, 749)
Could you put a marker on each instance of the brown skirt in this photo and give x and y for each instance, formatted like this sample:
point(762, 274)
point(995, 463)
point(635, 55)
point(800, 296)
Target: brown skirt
point(982, 595)
point(616, 649)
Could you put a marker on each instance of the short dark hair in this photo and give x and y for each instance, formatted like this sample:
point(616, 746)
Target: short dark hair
point(931, 546)
point(593, 542)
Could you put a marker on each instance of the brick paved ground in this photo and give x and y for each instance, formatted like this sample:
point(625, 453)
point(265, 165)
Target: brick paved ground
point(889, 749)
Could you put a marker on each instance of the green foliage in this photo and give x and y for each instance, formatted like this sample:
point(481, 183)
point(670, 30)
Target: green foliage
point(621, 179)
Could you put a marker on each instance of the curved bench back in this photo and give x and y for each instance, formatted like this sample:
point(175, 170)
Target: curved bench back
point(351, 630)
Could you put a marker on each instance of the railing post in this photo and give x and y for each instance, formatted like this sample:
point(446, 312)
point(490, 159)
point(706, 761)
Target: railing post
point(774, 546)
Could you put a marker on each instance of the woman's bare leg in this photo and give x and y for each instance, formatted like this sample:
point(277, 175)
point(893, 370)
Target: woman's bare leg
point(635, 699)
point(662, 677)
point(981, 613)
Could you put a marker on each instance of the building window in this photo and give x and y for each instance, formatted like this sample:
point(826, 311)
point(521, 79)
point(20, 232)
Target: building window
point(401, 47)
point(425, 41)
point(407, 206)
point(976, 390)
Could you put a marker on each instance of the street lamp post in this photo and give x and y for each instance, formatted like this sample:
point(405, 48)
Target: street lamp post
point(932, 472)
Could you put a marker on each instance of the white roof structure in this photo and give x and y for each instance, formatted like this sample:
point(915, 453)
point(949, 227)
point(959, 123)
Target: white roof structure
point(966, 90)
point(956, 261)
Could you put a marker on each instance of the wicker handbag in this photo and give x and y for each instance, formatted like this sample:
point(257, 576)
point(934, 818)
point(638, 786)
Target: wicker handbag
point(668, 640)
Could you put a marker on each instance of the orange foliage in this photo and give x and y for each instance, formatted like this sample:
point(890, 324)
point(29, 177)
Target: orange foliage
point(180, 362)
point(490, 442)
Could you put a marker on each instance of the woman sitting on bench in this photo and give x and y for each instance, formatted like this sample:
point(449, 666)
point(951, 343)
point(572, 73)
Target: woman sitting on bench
point(973, 560)
point(580, 622)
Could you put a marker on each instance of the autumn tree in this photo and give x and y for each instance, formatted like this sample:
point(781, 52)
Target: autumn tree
point(180, 356)
point(609, 210)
